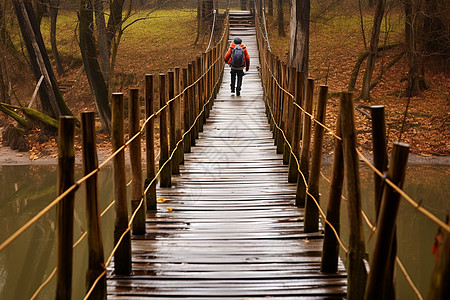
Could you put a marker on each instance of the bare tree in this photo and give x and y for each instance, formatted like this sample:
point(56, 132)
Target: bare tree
point(299, 35)
point(270, 7)
point(280, 18)
point(379, 13)
point(54, 8)
point(51, 99)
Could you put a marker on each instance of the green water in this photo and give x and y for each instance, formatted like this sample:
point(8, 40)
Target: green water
point(428, 185)
point(26, 263)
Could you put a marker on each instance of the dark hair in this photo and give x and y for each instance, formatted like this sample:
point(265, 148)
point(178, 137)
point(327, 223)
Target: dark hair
point(237, 41)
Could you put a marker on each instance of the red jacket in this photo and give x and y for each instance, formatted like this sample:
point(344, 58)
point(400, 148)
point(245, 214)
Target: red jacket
point(246, 56)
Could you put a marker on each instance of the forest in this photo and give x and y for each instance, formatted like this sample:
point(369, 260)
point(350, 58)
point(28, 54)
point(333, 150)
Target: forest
point(62, 57)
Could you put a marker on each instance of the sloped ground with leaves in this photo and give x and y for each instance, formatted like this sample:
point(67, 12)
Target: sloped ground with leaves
point(161, 41)
point(336, 41)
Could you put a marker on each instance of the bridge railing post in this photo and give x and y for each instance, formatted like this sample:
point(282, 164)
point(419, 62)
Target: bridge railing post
point(65, 208)
point(96, 265)
point(172, 121)
point(380, 279)
point(285, 113)
point(330, 252)
point(150, 196)
point(311, 209)
point(164, 162)
point(289, 113)
point(200, 94)
point(186, 111)
point(178, 122)
point(279, 108)
point(134, 108)
point(306, 144)
point(297, 123)
point(122, 256)
point(357, 273)
point(191, 103)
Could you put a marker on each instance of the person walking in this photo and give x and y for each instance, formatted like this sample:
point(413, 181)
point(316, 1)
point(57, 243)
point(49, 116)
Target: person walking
point(237, 57)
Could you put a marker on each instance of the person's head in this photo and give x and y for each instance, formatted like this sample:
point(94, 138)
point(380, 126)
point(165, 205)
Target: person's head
point(237, 41)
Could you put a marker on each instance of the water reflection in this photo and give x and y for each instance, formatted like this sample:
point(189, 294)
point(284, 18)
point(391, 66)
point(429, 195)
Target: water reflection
point(28, 262)
point(428, 185)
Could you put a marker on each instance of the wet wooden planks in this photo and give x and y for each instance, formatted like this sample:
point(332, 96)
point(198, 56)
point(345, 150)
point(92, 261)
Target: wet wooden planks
point(229, 228)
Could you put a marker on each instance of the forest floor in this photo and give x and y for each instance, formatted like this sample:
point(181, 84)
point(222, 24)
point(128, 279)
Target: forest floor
point(154, 46)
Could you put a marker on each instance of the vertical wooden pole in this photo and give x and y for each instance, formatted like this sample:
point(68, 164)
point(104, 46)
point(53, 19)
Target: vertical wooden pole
point(172, 122)
point(292, 81)
point(379, 149)
point(306, 144)
point(191, 101)
point(357, 274)
point(204, 88)
point(285, 116)
point(330, 252)
point(377, 287)
point(65, 208)
point(311, 209)
point(196, 94)
point(136, 163)
point(150, 144)
point(199, 68)
point(96, 265)
point(279, 110)
point(293, 167)
point(166, 171)
point(178, 122)
point(122, 257)
point(186, 112)
point(439, 287)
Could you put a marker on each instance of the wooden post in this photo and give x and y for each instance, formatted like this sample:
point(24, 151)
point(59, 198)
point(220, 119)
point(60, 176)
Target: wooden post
point(439, 287)
point(377, 287)
point(204, 94)
point(279, 110)
point(330, 252)
point(293, 167)
point(136, 164)
point(122, 257)
point(199, 68)
point(311, 209)
point(65, 208)
point(150, 197)
point(285, 117)
point(172, 123)
point(186, 113)
point(178, 123)
point(191, 101)
point(379, 149)
point(166, 171)
point(357, 274)
point(195, 99)
point(96, 264)
point(306, 144)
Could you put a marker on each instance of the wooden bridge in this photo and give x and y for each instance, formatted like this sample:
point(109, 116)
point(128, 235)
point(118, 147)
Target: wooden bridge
point(229, 227)
point(230, 222)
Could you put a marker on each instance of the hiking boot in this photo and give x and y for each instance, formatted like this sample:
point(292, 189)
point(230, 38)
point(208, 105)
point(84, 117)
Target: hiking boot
point(238, 93)
point(232, 91)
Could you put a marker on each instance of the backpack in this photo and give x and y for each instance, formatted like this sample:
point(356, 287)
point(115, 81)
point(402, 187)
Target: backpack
point(237, 57)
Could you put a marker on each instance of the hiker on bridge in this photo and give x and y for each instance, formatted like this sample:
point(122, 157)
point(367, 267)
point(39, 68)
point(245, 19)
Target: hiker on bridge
point(237, 57)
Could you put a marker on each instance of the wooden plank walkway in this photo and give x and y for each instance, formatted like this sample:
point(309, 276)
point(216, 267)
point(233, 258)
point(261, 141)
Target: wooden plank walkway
point(229, 228)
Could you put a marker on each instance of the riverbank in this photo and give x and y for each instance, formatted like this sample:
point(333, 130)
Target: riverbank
point(13, 157)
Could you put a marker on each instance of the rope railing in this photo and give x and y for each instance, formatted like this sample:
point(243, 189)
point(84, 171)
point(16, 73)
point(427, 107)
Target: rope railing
point(413, 203)
point(214, 66)
point(277, 127)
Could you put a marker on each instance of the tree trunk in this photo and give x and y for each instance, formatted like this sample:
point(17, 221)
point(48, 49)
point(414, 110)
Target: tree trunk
point(243, 4)
point(415, 73)
point(54, 7)
point(371, 3)
point(91, 65)
point(115, 19)
point(379, 13)
point(270, 7)
point(51, 99)
point(104, 45)
point(280, 18)
point(299, 35)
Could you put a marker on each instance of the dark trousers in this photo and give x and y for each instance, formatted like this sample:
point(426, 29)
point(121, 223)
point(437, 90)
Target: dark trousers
point(240, 74)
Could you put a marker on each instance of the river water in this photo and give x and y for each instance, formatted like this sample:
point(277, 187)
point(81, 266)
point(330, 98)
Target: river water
point(28, 261)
